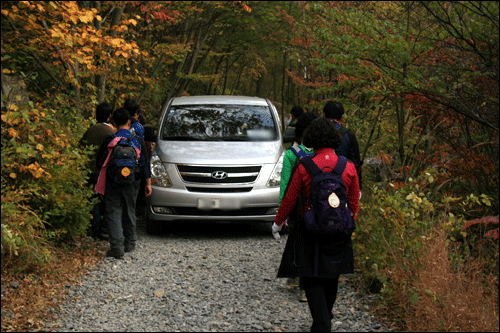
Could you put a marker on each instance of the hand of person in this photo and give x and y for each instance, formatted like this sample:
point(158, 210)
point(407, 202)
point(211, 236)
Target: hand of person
point(276, 228)
point(148, 187)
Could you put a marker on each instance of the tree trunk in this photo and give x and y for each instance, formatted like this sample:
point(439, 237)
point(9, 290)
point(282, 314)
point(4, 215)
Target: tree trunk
point(100, 80)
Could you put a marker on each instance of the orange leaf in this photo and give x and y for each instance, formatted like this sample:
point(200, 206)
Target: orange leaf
point(12, 132)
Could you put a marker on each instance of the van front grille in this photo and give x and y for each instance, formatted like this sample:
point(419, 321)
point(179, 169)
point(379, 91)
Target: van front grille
point(218, 174)
point(218, 189)
point(255, 211)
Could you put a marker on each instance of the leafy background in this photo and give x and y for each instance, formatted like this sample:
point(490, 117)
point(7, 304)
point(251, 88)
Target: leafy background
point(419, 81)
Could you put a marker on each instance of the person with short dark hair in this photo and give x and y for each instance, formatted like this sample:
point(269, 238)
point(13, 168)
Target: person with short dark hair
point(120, 199)
point(334, 111)
point(296, 112)
point(134, 110)
point(96, 133)
point(301, 253)
point(94, 136)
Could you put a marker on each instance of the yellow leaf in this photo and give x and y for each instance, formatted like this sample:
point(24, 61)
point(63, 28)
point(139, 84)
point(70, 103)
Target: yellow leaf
point(39, 147)
point(85, 19)
point(7, 71)
point(13, 175)
point(115, 42)
point(12, 132)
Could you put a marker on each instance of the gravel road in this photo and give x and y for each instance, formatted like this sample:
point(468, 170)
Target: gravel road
point(201, 277)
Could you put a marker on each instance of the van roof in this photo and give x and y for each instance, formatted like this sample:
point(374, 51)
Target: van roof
point(218, 99)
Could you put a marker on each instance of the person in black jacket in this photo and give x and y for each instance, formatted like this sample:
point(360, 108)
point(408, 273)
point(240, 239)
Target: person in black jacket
point(334, 111)
point(120, 199)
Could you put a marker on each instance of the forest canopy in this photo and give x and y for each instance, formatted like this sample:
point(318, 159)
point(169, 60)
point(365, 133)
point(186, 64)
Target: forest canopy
point(418, 80)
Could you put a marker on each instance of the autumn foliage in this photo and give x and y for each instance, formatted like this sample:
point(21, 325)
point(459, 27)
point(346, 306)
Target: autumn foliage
point(418, 80)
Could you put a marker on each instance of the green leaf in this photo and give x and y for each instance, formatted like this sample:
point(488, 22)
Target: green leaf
point(414, 298)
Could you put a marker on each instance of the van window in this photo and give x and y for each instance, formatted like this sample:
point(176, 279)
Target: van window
point(219, 123)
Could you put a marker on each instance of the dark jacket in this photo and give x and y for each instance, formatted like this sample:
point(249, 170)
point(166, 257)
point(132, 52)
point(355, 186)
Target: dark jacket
point(303, 254)
point(350, 149)
point(95, 135)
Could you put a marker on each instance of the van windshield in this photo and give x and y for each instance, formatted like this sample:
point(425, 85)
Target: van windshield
point(219, 123)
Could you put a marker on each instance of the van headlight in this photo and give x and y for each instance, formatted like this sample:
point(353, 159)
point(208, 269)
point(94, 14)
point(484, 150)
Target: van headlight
point(275, 179)
point(159, 175)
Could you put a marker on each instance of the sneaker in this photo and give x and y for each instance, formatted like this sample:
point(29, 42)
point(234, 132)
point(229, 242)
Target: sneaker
point(302, 296)
point(114, 253)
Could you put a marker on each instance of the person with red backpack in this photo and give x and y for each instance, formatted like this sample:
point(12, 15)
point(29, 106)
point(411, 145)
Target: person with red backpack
point(122, 160)
point(319, 253)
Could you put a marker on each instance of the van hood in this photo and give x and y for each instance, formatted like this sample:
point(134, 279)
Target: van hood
point(219, 152)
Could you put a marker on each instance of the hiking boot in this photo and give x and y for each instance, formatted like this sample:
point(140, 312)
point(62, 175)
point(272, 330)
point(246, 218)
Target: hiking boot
point(129, 248)
point(302, 296)
point(115, 254)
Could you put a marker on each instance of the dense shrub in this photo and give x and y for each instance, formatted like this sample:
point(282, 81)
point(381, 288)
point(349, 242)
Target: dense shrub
point(45, 197)
point(435, 269)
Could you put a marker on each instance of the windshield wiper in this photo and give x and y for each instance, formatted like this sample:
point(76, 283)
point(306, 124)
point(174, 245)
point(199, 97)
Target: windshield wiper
point(190, 138)
point(236, 138)
point(181, 138)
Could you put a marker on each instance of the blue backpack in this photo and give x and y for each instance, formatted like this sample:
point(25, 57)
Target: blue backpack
point(326, 213)
point(123, 163)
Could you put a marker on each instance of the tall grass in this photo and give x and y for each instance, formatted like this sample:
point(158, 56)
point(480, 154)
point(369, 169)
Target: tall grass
point(437, 293)
point(435, 270)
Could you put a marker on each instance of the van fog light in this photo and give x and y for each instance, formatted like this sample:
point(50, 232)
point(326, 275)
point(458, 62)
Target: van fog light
point(272, 211)
point(161, 210)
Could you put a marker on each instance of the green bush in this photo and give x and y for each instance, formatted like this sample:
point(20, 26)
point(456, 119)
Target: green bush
point(397, 217)
point(45, 196)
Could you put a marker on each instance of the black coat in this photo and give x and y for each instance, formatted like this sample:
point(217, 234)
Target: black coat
point(304, 255)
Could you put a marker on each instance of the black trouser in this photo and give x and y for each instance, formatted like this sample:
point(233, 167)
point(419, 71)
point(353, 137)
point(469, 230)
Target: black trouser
point(120, 201)
point(321, 295)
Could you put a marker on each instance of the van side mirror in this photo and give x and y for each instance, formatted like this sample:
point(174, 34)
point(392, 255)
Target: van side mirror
point(289, 135)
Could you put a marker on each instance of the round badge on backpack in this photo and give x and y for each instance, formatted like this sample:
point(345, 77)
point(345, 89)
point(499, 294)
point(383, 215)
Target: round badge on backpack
point(125, 172)
point(333, 200)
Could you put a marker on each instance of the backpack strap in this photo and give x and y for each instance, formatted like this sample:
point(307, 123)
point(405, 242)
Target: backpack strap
point(340, 166)
point(306, 161)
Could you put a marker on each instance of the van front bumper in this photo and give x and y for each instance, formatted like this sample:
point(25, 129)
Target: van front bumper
point(170, 204)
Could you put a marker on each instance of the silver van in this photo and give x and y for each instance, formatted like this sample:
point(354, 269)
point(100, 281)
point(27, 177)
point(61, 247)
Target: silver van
point(217, 158)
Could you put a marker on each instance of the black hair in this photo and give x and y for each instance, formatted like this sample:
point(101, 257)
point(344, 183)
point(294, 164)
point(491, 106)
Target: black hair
point(132, 106)
point(302, 123)
point(297, 111)
point(121, 116)
point(333, 110)
point(322, 133)
point(102, 112)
